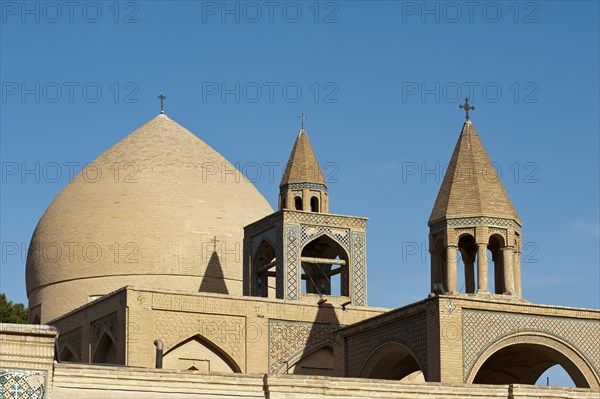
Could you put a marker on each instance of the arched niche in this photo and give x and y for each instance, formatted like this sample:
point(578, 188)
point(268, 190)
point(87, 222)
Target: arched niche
point(393, 361)
point(199, 353)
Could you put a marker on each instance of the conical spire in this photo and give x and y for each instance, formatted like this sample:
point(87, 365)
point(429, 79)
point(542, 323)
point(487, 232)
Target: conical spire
point(302, 167)
point(471, 186)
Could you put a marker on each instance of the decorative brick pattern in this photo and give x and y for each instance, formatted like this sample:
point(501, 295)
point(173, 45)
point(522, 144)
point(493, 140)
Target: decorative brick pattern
point(22, 384)
point(73, 338)
point(410, 332)
point(108, 322)
point(501, 232)
point(324, 219)
point(465, 230)
point(263, 224)
point(288, 339)
point(340, 235)
point(359, 274)
point(271, 236)
point(228, 333)
point(292, 262)
point(475, 221)
point(482, 328)
point(299, 186)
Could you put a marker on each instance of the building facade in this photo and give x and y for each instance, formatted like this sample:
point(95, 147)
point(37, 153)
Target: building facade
point(176, 258)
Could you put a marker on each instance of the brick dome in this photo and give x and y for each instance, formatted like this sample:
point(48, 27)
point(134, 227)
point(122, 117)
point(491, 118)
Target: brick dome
point(159, 209)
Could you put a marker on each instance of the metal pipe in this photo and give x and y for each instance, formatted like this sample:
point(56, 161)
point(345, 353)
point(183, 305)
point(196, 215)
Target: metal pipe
point(159, 353)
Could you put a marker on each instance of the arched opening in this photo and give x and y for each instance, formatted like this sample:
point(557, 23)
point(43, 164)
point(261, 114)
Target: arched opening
point(67, 355)
point(298, 203)
point(199, 353)
point(319, 275)
point(438, 267)
point(36, 319)
point(314, 204)
point(468, 250)
point(263, 274)
point(556, 376)
point(317, 362)
point(283, 203)
point(495, 245)
point(524, 359)
point(106, 351)
point(393, 361)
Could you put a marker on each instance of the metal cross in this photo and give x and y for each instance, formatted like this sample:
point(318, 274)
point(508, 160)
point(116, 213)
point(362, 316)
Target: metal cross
point(162, 99)
point(215, 241)
point(302, 119)
point(466, 107)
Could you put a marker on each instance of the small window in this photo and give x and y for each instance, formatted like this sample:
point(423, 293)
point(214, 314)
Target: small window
point(314, 204)
point(298, 203)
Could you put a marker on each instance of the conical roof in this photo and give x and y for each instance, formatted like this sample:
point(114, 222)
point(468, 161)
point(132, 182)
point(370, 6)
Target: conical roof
point(302, 167)
point(159, 209)
point(471, 186)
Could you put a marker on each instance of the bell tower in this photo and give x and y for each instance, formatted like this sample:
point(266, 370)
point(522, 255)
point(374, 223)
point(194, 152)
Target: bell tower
point(302, 252)
point(303, 186)
point(472, 215)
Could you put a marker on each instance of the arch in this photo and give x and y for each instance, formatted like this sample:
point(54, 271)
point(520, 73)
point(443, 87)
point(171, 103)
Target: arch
point(202, 354)
point(319, 276)
point(468, 250)
point(438, 266)
point(298, 203)
point(314, 204)
point(264, 255)
point(68, 354)
point(317, 361)
point(393, 361)
point(495, 244)
point(106, 350)
point(522, 358)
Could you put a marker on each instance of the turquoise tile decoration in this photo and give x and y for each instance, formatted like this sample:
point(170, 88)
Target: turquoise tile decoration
point(22, 384)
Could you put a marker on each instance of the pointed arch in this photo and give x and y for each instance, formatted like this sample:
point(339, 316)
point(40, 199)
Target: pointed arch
point(316, 361)
point(522, 358)
point(201, 353)
point(68, 354)
point(106, 350)
point(318, 275)
point(263, 260)
point(393, 361)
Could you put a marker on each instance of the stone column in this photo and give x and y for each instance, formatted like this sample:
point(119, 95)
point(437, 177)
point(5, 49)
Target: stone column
point(517, 274)
point(306, 199)
point(451, 276)
point(469, 275)
point(507, 260)
point(482, 268)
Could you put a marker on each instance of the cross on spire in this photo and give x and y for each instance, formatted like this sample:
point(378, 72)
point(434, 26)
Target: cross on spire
point(466, 107)
point(302, 119)
point(162, 99)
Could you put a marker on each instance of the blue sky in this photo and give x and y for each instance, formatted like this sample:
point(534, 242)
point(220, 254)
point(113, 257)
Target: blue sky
point(380, 82)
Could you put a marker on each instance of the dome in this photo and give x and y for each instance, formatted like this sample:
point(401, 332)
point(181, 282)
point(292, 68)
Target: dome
point(158, 210)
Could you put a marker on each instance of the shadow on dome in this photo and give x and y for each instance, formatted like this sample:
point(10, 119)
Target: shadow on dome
point(213, 279)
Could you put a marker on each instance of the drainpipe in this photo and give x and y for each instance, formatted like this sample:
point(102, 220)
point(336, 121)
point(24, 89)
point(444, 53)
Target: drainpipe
point(159, 353)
